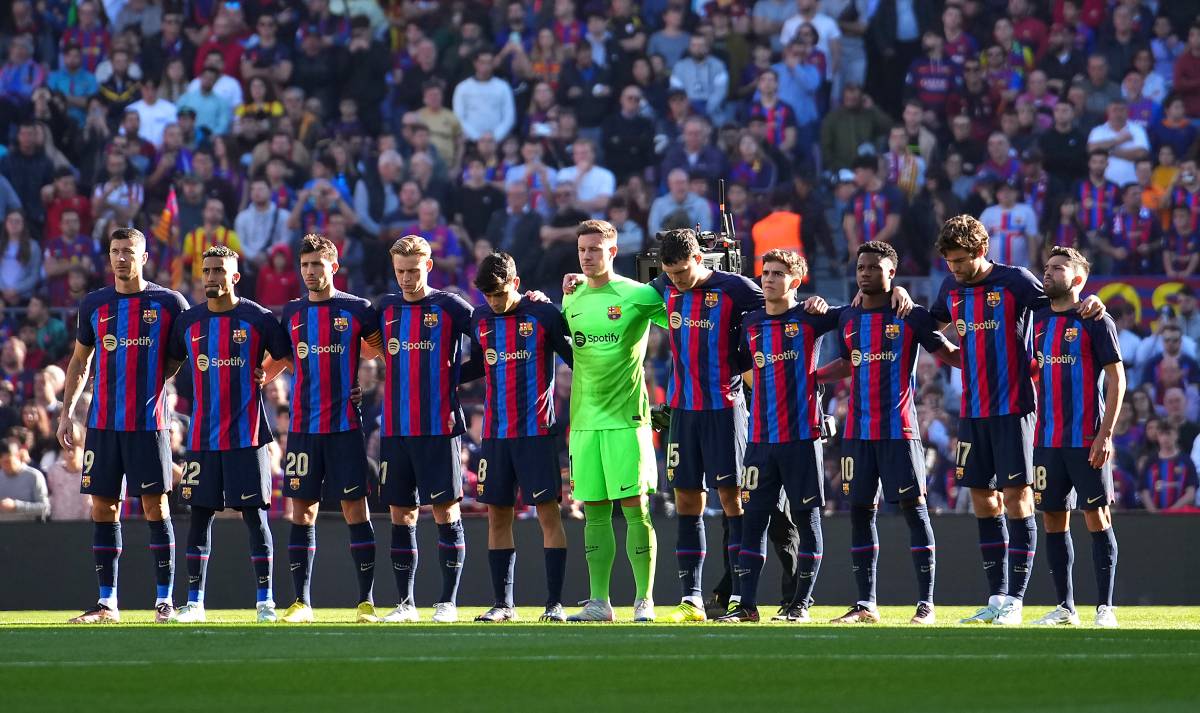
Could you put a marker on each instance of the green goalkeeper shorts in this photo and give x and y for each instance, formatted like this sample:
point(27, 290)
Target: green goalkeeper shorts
point(612, 464)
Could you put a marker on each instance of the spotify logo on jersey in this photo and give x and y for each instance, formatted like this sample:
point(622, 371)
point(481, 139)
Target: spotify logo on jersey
point(961, 326)
point(302, 350)
point(202, 362)
point(393, 346)
point(676, 320)
point(580, 339)
point(760, 360)
point(109, 342)
point(490, 357)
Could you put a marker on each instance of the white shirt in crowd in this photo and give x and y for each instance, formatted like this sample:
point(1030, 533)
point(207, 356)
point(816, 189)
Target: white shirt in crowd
point(153, 118)
point(259, 230)
point(226, 87)
point(1120, 170)
point(485, 107)
point(595, 182)
point(1011, 231)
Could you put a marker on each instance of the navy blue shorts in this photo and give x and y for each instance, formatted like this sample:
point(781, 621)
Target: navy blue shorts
point(325, 465)
point(237, 478)
point(1063, 479)
point(420, 470)
point(896, 466)
point(531, 462)
point(705, 448)
point(120, 463)
point(795, 469)
point(995, 452)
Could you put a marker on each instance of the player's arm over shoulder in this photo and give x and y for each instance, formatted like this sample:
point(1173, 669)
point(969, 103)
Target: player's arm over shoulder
point(645, 298)
point(1028, 288)
point(557, 332)
point(1105, 339)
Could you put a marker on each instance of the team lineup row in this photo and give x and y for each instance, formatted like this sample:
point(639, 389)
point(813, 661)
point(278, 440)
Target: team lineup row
point(763, 458)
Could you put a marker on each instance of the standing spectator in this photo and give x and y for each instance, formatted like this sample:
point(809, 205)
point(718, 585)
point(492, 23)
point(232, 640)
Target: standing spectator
point(1124, 141)
point(1186, 308)
point(445, 131)
point(896, 30)
point(211, 232)
point(779, 118)
point(75, 83)
point(360, 66)
point(903, 167)
point(1174, 129)
point(447, 252)
point(1062, 61)
point(1132, 244)
point(1098, 196)
point(1100, 91)
point(69, 248)
point(1181, 245)
point(846, 129)
point(1167, 344)
point(539, 179)
point(261, 226)
point(155, 114)
point(473, 203)
point(213, 113)
point(679, 205)
point(62, 482)
point(585, 86)
point(28, 169)
point(1186, 192)
point(1013, 228)
point(1168, 481)
point(89, 34)
point(277, 282)
point(593, 184)
point(23, 494)
point(628, 137)
point(484, 103)
point(932, 79)
point(64, 195)
point(704, 78)
point(672, 41)
point(20, 261)
point(829, 37)
point(874, 210)
point(225, 42)
point(976, 100)
point(226, 87)
point(516, 230)
point(1120, 45)
point(117, 198)
point(798, 83)
point(265, 56)
point(121, 88)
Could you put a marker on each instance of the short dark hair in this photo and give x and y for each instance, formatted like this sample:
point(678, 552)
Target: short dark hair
point(221, 251)
point(678, 245)
point(314, 243)
point(868, 161)
point(882, 249)
point(603, 228)
point(795, 263)
point(494, 272)
point(1094, 152)
point(1074, 258)
point(962, 232)
point(133, 235)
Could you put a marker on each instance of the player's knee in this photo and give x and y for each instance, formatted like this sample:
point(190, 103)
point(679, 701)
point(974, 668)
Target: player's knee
point(912, 503)
point(500, 517)
point(407, 516)
point(987, 503)
point(1098, 520)
point(355, 511)
point(155, 507)
point(1018, 502)
point(105, 509)
point(304, 512)
point(1056, 521)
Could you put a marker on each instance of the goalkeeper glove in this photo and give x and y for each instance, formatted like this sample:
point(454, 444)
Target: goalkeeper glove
point(660, 417)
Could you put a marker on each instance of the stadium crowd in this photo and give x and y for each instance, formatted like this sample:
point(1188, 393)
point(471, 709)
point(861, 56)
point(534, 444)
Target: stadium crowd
point(486, 126)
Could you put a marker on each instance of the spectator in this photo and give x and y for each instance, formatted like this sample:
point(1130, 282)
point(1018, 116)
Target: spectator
point(679, 207)
point(70, 248)
point(904, 167)
point(1168, 343)
point(799, 81)
point(474, 202)
point(277, 282)
point(694, 154)
point(264, 56)
point(857, 122)
point(630, 236)
point(629, 137)
point(121, 88)
point(483, 103)
point(1100, 91)
point(587, 88)
point(154, 113)
point(360, 65)
point(117, 198)
point(874, 210)
point(23, 494)
point(1174, 129)
point(516, 229)
point(1013, 228)
point(1187, 72)
point(1124, 141)
point(704, 78)
point(222, 41)
point(89, 34)
point(20, 262)
point(672, 41)
point(778, 117)
point(1179, 410)
point(445, 131)
point(1132, 244)
point(593, 184)
point(1098, 196)
point(932, 79)
point(1186, 308)
point(261, 226)
point(168, 45)
point(1168, 481)
point(75, 83)
point(226, 87)
point(1181, 245)
point(753, 168)
point(1186, 192)
point(28, 169)
point(62, 482)
point(447, 251)
point(211, 232)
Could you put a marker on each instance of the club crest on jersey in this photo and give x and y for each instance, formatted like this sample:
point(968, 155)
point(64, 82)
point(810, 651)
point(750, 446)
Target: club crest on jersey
point(1071, 334)
point(239, 336)
point(87, 481)
point(294, 483)
point(711, 299)
point(341, 324)
point(614, 312)
point(993, 299)
point(891, 331)
point(791, 329)
point(525, 329)
point(149, 316)
point(430, 319)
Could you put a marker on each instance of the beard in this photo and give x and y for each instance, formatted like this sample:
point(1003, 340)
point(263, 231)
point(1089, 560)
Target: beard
point(212, 292)
point(1056, 291)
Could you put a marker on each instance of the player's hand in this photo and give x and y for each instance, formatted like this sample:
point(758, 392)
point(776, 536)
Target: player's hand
point(537, 296)
point(1092, 308)
point(356, 395)
point(66, 437)
point(902, 302)
point(260, 377)
point(660, 417)
point(816, 305)
point(570, 281)
point(1102, 450)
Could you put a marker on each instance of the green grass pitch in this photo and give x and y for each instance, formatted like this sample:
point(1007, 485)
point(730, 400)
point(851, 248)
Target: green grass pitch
point(1151, 663)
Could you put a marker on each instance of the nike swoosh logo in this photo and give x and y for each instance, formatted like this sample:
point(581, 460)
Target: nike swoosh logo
point(723, 477)
point(296, 326)
point(366, 566)
point(251, 496)
point(1092, 500)
point(105, 319)
point(147, 485)
point(436, 495)
point(388, 324)
point(628, 487)
point(1014, 476)
point(851, 334)
point(806, 501)
point(295, 566)
point(484, 334)
point(576, 315)
point(806, 575)
point(959, 302)
point(539, 494)
point(196, 339)
point(905, 490)
point(755, 336)
point(349, 490)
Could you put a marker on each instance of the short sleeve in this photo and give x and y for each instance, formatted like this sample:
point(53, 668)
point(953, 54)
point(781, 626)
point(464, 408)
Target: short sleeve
point(85, 334)
point(275, 338)
point(748, 296)
point(843, 352)
point(928, 335)
point(1106, 344)
point(823, 323)
point(1028, 289)
point(939, 311)
point(369, 317)
point(175, 347)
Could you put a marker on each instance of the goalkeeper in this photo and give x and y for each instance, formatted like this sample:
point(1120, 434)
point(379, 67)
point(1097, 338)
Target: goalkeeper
point(611, 446)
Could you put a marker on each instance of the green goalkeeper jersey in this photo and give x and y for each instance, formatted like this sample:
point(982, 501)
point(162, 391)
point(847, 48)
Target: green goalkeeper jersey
point(609, 327)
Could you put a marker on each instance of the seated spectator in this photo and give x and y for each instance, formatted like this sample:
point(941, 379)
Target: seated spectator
point(516, 229)
point(905, 169)
point(1181, 245)
point(1013, 228)
point(593, 184)
point(875, 208)
point(694, 154)
point(23, 494)
point(1124, 141)
point(62, 482)
point(212, 231)
point(1168, 480)
point(1168, 343)
point(256, 118)
point(483, 103)
point(74, 82)
point(1187, 73)
point(779, 118)
point(1132, 244)
point(447, 250)
point(277, 282)
point(629, 137)
point(679, 205)
point(704, 78)
point(20, 261)
point(70, 248)
point(1098, 197)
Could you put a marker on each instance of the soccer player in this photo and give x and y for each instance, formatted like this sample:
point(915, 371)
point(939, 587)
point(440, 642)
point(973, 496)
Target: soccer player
point(881, 446)
point(223, 342)
point(611, 444)
point(780, 342)
point(514, 340)
point(326, 454)
point(127, 448)
point(420, 443)
point(991, 306)
point(1081, 383)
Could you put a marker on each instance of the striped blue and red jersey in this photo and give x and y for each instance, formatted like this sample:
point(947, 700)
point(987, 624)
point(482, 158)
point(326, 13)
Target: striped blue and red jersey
point(882, 349)
point(423, 344)
point(1071, 354)
point(1132, 230)
point(129, 333)
point(515, 351)
point(994, 322)
point(222, 350)
point(777, 117)
point(704, 327)
point(933, 81)
point(1168, 478)
point(1181, 247)
point(782, 351)
point(326, 339)
point(1096, 203)
point(1191, 199)
point(870, 209)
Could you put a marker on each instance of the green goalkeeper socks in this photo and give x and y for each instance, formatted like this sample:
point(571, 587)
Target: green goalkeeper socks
point(641, 546)
point(600, 548)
